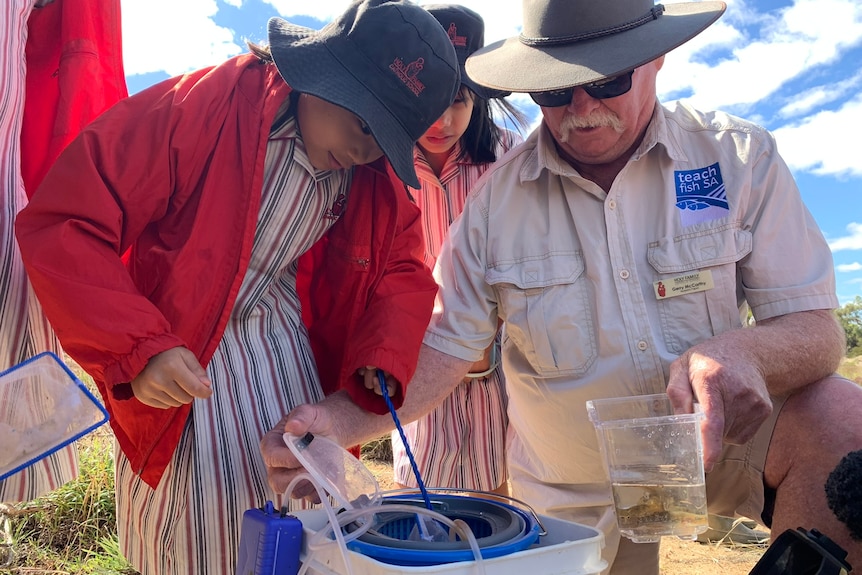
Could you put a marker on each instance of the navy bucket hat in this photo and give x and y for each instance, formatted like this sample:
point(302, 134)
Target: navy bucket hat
point(466, 31)
point(388, 62)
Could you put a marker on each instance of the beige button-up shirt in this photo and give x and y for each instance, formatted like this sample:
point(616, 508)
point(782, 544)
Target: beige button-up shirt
point(600, 292)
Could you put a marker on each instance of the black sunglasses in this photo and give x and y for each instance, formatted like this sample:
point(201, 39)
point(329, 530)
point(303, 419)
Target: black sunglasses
point(607, 88)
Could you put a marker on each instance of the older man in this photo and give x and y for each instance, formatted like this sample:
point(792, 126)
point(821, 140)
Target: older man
point(619, 245)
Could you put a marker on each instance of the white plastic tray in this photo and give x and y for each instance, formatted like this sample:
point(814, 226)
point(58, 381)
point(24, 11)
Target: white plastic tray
point(568, 548)
point(43, 407)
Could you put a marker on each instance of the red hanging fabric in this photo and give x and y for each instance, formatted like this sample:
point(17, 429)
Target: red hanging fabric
point(74, 73)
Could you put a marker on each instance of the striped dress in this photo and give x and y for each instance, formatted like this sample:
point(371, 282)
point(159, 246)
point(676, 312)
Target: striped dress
point(462, 443)
point(262, 368)
point(24, 331)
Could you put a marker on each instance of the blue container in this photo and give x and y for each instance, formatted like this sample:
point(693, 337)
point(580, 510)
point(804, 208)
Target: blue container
point(499, 528)
point(270, 542)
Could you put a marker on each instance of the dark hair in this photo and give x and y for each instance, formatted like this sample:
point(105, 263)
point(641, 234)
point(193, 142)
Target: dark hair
point(483, 136)
point(265, 56)
point(844, 492)
point(259, 50)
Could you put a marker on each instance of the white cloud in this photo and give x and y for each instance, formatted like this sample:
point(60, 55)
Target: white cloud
point(323, 10)
point(801, 39)
point(852, 241)
point(502, 17)
point(757, 53)
point(794, 40)
point(854, 267)
point(174, 37)
point(815, 144)
point(530, 109)
point(819, 96)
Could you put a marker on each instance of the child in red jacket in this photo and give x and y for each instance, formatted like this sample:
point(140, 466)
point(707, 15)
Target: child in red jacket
point(166, 243)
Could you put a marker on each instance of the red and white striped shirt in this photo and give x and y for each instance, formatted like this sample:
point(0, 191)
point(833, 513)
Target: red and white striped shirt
point(262, 369)
point(462, 443)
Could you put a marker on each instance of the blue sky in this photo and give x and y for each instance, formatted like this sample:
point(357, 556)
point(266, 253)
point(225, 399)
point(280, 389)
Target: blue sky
point(792, 66)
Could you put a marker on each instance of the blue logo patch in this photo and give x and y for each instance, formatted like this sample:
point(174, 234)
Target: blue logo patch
point(700, 194)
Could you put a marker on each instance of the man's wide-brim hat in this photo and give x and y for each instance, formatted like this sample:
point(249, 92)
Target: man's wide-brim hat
point(567, 43)
point(389, 62)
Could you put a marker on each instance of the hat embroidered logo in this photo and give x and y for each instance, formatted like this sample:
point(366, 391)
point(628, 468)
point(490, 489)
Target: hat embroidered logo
point(459, 41)
point(408, 74)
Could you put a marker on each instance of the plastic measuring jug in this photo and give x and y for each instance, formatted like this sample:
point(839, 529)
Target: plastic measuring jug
point(654, 460)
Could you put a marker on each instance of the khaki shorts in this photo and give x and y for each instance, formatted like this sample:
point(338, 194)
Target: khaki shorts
point(735, 484)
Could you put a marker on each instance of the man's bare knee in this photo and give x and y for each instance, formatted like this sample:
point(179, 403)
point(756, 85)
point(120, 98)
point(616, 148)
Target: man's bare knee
point(815, 429)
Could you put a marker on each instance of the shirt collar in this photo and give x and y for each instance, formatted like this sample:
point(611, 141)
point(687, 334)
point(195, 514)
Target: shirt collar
point(423, 168)
point(657, 132)
point(544, 156)
point(289, 130)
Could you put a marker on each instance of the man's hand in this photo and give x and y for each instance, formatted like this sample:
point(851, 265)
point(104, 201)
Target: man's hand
point(337, 417)
point(172, 378)
point(730, 390)
point(281, 465)
point(733, 374)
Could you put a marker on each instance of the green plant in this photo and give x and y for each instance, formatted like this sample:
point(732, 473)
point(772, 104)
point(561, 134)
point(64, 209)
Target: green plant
point(850, 317)
point(107, 560)
point(73, 529)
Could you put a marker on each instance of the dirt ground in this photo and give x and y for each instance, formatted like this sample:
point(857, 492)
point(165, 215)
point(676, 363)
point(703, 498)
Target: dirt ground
point(692, 558)
point(677, 557)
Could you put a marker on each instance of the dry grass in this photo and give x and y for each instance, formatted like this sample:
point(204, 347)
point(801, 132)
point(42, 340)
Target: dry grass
point(692, 558)
point(851, 368)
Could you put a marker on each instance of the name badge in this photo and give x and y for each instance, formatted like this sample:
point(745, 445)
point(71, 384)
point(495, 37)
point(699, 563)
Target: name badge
point(689, 283)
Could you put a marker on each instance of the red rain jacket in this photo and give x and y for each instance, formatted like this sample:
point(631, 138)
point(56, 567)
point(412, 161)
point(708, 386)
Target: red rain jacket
point(74, 73)
point(173, 175)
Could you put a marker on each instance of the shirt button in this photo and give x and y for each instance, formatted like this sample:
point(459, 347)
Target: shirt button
point(624, 274)
point(642, 345)
point(612, 204)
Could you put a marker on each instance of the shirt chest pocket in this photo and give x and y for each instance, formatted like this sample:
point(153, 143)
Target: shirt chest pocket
point(545, 304)
point(689, 318)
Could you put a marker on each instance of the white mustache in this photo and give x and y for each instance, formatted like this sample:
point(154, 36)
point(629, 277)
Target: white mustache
point(597, 119)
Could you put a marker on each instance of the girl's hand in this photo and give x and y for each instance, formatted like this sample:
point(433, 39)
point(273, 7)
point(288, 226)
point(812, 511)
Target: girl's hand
point(171, 379)
point(369, 375)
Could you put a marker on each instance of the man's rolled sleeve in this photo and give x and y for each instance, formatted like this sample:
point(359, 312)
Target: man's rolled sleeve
point(790, 270)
